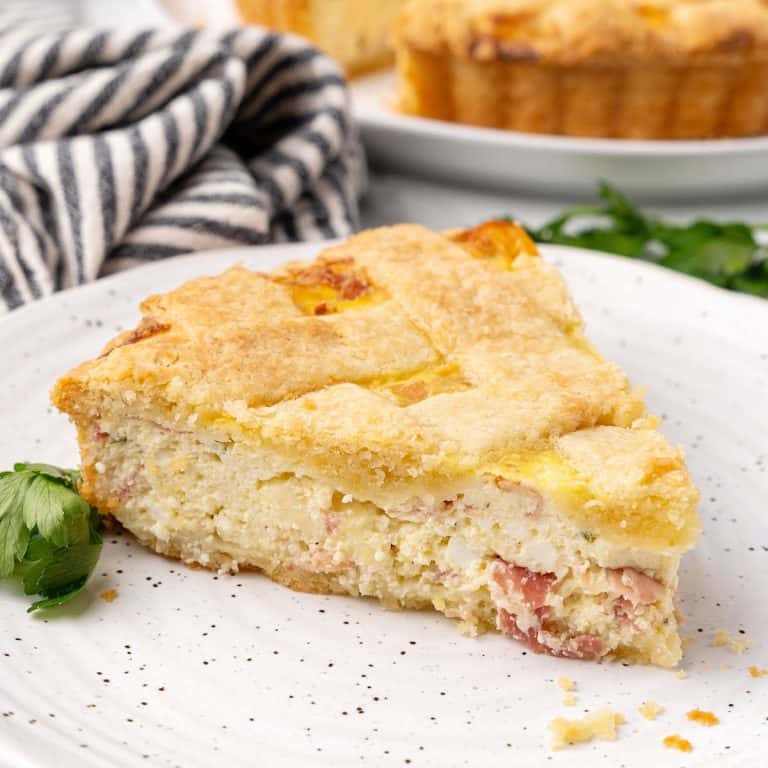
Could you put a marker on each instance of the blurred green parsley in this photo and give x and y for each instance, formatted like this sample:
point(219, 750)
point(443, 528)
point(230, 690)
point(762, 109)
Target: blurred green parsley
point(727, 255)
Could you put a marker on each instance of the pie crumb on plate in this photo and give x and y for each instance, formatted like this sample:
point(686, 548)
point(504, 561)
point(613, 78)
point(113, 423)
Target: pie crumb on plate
point(703, 717)
point(650, 710)
point(598, 725)
point(677, 742)
point(723, 638)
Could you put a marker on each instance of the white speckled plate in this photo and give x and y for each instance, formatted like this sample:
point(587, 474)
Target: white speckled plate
point(189, 669)
point(658, 170)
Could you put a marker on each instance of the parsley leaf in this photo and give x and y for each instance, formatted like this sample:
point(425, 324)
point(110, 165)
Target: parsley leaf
point(70, 477)
point(58, 512)
point(49, 534)
point(14, 535)
point(728, 255)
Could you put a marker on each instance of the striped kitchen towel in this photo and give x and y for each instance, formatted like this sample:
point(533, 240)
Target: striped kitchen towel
point(121, 147)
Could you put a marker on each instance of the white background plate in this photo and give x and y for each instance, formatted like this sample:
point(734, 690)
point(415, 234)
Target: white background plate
point(189, 669)
point(660, 170)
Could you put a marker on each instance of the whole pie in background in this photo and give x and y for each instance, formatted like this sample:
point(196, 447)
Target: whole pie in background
point(659, 69)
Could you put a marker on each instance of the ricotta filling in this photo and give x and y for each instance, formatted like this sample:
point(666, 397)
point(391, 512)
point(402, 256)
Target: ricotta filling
point(492, 553)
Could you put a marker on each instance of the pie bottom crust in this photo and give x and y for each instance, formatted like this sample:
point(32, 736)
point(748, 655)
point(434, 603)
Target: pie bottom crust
point(712, 99)
point(291, 576)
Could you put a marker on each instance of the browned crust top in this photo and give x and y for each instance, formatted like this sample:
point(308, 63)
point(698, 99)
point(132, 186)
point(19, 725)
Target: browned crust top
point(596, 31)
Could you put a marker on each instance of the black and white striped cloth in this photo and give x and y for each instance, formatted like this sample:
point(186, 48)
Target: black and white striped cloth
point(121, 147)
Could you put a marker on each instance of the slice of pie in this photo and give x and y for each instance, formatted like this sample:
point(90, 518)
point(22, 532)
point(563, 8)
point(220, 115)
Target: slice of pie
point(413, 417)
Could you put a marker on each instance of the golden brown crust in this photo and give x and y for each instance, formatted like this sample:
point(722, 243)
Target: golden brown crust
point(631, 469)
point(449, 354)
point(578, 31)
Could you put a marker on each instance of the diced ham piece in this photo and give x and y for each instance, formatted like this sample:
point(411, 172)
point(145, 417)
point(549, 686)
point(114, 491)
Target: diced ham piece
point(626, 612)
point(517, 581)
point(635, 586)
point(623, 609)
point(331, 521)
point(125, 489)
point(576, 647)
point(585, 647)
point(512, 486)
point(508, 624)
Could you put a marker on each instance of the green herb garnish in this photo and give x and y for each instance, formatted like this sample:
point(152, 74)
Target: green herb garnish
point(727, 255)
point(49, 534)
